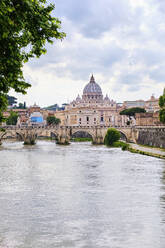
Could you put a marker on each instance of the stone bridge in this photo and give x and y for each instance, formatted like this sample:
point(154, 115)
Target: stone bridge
point(64, 134)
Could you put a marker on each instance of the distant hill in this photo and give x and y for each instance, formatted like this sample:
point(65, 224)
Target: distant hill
point(52, 107)
point(55, 107)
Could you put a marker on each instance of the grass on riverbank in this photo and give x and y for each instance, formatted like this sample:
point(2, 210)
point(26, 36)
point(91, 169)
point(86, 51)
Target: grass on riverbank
point(155, 147)
point(133, 150)
point(127, 147)
point(120, 144)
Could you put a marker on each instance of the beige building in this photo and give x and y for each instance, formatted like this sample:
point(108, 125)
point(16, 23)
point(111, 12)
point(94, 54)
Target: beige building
point(148, 119)
point(151, 105)
point(92, 109)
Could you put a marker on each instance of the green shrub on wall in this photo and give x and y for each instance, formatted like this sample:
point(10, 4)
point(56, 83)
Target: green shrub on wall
point(111, 136)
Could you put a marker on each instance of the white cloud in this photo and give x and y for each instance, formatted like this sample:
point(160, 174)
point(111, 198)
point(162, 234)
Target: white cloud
point(121, 42)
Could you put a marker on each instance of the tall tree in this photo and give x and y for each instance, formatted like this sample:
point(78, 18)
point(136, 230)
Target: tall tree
point(25, 27)
point(162, 107)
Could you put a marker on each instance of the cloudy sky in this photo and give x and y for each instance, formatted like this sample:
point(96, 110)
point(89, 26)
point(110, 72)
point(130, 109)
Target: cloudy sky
point(122, 42)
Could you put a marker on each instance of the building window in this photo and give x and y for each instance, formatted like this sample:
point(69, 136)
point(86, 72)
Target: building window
point(87, 118)
point(102, 118)
point(94, 119)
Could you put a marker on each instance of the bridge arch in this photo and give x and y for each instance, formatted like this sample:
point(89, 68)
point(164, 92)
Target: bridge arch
point(123, 136)
point(19, 135)
point(46, 133)
point(8, 134)
point(81, 134)
point(53, 135)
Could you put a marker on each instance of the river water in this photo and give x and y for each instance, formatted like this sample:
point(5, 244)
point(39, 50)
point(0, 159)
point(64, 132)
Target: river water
point(80, 196)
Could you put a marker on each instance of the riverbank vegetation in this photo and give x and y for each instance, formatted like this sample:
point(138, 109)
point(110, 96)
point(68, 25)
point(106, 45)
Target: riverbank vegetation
point(133, 150)
point(112, 139)
point(112, 135)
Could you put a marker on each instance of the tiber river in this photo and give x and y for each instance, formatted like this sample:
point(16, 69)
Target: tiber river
point(80, 196)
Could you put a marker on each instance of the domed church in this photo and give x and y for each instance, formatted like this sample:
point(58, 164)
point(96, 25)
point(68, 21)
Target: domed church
point(92, 92)
point(91, 109)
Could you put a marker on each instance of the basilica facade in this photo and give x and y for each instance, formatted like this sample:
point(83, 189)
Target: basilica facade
point(92, 109)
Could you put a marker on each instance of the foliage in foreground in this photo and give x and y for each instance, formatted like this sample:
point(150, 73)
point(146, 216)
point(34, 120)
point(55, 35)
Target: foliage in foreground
point(52, 120)
point(111, 136)
point(162, 106)
point(25, 27)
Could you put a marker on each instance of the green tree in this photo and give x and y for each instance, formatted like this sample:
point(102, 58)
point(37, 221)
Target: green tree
point(25, 27)
point(162, 107)
point(111, 136)
point(12, 119)
point(21, 105)
point(132, 111)
point(52, 120)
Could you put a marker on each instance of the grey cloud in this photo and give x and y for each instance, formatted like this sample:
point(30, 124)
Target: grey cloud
point(93, 17)
point(158, 74)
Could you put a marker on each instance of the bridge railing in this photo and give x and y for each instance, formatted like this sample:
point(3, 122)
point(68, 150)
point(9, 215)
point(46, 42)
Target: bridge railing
point(49, 127)
point(12, 127)
point(150, 127)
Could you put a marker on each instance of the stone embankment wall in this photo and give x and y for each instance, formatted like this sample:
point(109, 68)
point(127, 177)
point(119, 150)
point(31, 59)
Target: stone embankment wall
point(152, 137)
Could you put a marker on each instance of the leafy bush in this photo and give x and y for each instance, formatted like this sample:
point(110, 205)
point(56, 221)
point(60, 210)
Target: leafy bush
point(111, 136)
point(121, 144)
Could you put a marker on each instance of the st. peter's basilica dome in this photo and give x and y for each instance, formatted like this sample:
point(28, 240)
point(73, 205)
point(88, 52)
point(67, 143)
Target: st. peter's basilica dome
point(92, 87)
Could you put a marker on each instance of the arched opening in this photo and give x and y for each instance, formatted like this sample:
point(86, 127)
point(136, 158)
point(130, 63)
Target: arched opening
point(19, 137)
point(53, 136)
point(8, 135)
point(123, 137)
point(80, 136)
